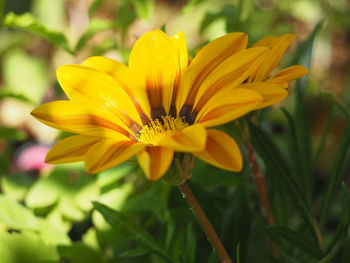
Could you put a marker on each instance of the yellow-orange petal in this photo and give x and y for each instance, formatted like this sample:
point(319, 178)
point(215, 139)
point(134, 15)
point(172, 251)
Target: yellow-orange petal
point(190, 139)
point(207, 59)
point(290, 73)
point(230, 73)
point(271, 92)
point(155, 161)
point(180, 47)
point(276, 52)
point(71, 149)
point(74, 117)
point(153, 62)
point(221, 151)
point(227, 106)
point(109, 153)
point(267, 41)
point(97, 89)
point(122, 75)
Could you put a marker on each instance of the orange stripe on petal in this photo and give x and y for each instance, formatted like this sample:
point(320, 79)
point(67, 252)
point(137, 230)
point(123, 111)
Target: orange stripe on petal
point(290, 73)
point(228, 106)
point(278, 48)
point(190, 139)
point(97, 89)
point(153, 62)
point(72, 117)
point(122, 75)
point(71, 149)
point(230, 73)
point(109, 153)
point(207, 59)
point(271, 92)
point(221, 151)
point(155, 161)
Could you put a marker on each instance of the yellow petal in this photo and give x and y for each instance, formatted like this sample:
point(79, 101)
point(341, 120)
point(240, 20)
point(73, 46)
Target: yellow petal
point(267, 41)
point(221, 151)
point(271, 92)
point(71, 149)
point(122, 75)
point(153, 62)
point(190, 139)
point(276, 52)
point(230, 73)
point(207, 59)
point(179, 44)
point(227, 106)
point(155, 161)
point(290, 73)
point(74, 117)
point(109, 153)
point(96, 88)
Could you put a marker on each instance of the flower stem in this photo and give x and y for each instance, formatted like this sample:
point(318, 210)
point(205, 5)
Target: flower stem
point(259, 180)
point(205, 224)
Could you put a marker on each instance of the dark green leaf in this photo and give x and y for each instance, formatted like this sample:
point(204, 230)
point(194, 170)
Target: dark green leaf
point(273, 158)
point(228, 13)
point(137, 252)
point(330, 99)
point(295, 238)
point(336, 174)
point(79, 253)
point(190, 247)
point(4, 93)
point(2, 7)
point(11, 134)
point(120, 221)
point(29, 23)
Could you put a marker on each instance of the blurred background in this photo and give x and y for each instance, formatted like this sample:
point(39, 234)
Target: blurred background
point(49, 207)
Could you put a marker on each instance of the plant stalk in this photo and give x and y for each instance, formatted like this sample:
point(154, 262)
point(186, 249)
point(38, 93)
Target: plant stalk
point(205, 224)
point(260, 183)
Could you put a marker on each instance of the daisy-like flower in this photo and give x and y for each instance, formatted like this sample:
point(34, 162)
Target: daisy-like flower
point(273, 88)
point(155, 106)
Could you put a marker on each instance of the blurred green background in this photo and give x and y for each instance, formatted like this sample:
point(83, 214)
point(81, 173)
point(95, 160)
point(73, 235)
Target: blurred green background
point(46, 213)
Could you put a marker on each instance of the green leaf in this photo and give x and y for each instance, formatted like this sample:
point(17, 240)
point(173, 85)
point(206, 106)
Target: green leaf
point(33, 72)
point(303, 135)
point(5, 93)
point(332, 100)
point(228, 13)
point(95, 26)
point(143, 8)
point(79, 253)
point(11, 134)
point(273, 158)
point(26, 247)
point(190, 6)
point(121, 222)
point(190, 247)
point(29, 23)
point(95, 6)
point(137, 252)
point(16, 186)
point(336, 175)
point(58, 188)
point(2, 7)
point(16, 216)
point(294, 238)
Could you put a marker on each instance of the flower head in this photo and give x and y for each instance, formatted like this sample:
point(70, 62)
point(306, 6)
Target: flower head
point(155, 106)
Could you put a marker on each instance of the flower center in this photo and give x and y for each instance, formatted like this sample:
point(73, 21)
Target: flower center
point(156, 130)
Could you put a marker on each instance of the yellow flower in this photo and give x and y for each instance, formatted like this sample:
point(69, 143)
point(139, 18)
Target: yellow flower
point(273, 89)
point(154, 106)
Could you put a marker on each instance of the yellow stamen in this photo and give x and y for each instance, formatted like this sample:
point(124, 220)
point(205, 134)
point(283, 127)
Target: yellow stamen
point(156, 130)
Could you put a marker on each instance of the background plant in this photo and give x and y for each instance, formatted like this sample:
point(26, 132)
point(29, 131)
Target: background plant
point(46, 214)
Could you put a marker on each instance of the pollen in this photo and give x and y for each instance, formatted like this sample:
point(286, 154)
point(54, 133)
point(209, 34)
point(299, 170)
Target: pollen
point(156, 130)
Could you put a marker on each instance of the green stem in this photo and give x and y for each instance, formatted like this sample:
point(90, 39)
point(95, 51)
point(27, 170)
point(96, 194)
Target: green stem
point(205, 224)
